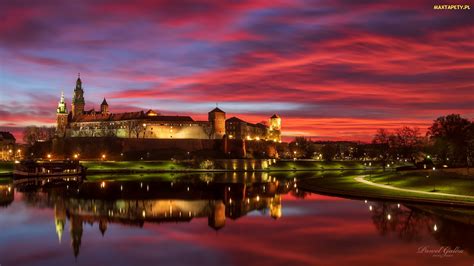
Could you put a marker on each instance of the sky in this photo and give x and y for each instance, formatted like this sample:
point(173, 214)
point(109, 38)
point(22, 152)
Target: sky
point(332, 69)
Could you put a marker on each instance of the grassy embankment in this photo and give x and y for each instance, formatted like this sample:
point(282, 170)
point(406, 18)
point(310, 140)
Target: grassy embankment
point(6, 167)
point(429, 181)
point(348, 186)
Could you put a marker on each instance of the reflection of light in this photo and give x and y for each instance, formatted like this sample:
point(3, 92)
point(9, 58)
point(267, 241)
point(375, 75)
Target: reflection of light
point(370, 208)
point(9, 189)
point(188, 188)
point(398, 205)
point(121, 187)
point(230, 201)
point(389, 216)
point(435, 228)
point(143, 213)
point(258, 198)
point(365, 201)
point(102, 185)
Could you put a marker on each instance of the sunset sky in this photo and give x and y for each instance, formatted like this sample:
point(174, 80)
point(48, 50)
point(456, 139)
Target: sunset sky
point(331, 69)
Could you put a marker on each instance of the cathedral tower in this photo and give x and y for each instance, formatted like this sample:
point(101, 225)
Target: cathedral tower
point(275, 128)
point(217, 121)
point(78, 98)
point(61, 116)
point(104, 107)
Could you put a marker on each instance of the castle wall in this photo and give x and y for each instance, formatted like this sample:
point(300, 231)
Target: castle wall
point(178, 131)
point(142, 129)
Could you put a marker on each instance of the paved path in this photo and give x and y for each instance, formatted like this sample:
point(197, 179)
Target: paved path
point(362, 180)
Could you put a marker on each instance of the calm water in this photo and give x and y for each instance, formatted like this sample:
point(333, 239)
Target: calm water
point(221, 220)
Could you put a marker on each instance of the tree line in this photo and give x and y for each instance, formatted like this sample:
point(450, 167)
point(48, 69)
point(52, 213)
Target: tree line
point(449, 140)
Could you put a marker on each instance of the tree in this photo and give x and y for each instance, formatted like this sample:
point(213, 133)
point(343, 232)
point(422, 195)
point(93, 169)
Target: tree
point(328, 151)
point(382, 140)
point(134, 128)
point(407, 143)
point(32, 134)
point(304, 147)
point(451, 136)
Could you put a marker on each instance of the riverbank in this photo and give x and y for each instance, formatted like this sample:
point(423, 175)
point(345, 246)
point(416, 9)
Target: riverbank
point(361, 187)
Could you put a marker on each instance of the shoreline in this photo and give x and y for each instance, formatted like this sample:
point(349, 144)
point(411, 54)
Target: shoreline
point(385, 194)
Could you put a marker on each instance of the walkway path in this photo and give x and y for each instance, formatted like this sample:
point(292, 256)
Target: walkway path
point(362, 180)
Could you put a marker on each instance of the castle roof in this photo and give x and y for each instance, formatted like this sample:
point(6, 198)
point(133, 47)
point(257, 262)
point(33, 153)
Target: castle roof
point(216, 110)
point(108, 117)
point(235, 119)
point(275, 116)
point(98, 117)
point(104, 102)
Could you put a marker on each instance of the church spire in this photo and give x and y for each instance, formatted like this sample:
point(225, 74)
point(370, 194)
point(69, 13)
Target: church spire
point(62, 108)
point(78, 102)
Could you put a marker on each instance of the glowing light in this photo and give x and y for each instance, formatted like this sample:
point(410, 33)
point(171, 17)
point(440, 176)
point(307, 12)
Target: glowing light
point(370, 208)
point(49, 156)
point(258, 198)
point(389, 217)
point(435, 228)
point(102, 185)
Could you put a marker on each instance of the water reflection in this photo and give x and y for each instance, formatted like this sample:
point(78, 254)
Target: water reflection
point(134, 203)
point(114, 208)
point(451, 227)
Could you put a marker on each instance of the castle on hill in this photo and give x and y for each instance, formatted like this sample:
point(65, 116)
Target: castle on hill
point(153, 125)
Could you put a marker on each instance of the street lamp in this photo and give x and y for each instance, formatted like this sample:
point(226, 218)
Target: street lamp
point(434, 183)
point(49, 156)
point(103, 156)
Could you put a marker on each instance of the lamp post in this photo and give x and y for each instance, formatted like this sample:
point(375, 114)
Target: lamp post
point(144, 130)
point(434, 183)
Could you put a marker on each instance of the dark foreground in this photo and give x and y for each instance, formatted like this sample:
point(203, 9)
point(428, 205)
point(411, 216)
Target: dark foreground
point(221, 220)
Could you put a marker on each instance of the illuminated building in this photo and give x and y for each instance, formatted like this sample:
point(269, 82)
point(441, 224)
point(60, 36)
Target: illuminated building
point(7, 146)
point(149, 124)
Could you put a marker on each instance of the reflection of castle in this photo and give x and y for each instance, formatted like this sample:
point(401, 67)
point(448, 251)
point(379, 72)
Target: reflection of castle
point(150, 124)
point(6, 195)
point(134, 203)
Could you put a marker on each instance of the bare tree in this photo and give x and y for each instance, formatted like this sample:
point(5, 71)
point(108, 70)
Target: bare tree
point(134, 128)
point(382, 140)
